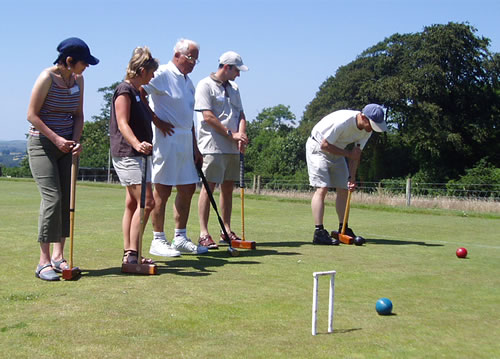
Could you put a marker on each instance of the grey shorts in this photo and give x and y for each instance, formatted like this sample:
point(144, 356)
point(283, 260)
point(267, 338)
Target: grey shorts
point(325, 170)
point(129, 170)
point(219, 168)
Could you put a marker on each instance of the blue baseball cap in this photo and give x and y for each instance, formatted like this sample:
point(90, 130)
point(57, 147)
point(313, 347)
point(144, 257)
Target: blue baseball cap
point(375, 114)
point(76, 48)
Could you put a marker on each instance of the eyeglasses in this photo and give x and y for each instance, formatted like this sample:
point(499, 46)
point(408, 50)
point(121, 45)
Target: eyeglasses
point(191, 59)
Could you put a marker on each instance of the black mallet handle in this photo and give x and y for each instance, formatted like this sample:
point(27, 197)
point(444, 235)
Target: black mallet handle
point(214, 205)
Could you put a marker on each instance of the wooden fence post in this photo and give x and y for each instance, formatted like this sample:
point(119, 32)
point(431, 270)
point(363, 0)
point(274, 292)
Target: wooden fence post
point(408, 192)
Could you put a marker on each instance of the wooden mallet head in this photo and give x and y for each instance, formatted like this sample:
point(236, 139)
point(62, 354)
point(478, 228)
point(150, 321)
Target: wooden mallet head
point(138, 268)
point(71, 273)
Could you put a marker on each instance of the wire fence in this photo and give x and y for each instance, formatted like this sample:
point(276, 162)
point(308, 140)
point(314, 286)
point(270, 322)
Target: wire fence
point(407, 188)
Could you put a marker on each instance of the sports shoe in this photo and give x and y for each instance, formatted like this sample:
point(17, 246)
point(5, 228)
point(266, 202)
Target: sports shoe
point(207, 241)
point(161, 247)
point(347, 232)
point(232, 236)
point(335, 238)
point(184, 245)
point(321, 236)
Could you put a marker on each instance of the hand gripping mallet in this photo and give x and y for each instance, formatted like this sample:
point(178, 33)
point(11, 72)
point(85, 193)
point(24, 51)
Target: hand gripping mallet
point(243, 243)
point(139, 267)
point(72, 272)
point(231, 250)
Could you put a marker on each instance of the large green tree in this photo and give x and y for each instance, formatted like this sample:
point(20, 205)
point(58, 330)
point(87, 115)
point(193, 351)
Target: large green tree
point(276, 148)
point(441, 90)
point(95, 137)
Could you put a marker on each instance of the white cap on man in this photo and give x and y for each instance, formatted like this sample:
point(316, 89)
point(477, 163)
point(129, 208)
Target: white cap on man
point(232, 58)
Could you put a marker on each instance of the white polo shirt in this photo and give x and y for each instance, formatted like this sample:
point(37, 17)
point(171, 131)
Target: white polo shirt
point(225, 103)
point(339, 128)
point(172, 96)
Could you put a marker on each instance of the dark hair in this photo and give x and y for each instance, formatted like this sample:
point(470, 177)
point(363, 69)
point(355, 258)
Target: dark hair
point(61, 59)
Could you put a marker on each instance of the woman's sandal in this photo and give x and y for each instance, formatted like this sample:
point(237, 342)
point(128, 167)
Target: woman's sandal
point(56, 265)
point(127, 253)
point(49, 275)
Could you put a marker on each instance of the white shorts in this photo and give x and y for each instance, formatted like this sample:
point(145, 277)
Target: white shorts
point(173, 161)
point(129, 170)
point(325, 170)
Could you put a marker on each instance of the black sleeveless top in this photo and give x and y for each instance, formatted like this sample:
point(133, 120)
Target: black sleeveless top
point(139, 122)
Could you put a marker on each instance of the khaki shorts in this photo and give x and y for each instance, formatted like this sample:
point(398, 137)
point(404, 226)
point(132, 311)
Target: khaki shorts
point(325, 170)
point(129, 170)
point(219, 168)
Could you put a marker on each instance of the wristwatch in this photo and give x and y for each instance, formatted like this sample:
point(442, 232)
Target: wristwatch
point(229, 133)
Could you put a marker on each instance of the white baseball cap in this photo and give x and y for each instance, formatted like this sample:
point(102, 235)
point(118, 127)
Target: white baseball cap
point(232, 58)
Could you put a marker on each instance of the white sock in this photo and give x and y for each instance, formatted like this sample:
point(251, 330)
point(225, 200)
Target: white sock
point(180, 232)
point(159, 235)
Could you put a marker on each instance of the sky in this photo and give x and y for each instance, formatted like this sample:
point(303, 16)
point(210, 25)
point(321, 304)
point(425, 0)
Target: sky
point(290, 46)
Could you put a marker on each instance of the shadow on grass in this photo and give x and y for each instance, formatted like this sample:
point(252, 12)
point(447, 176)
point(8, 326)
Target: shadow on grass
point(194, 265)
point(282, 244)
point(202, 265)
point(340, 331)
point(102, 272)
point(400, 242)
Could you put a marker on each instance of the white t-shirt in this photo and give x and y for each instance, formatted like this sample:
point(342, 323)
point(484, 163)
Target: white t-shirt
point(172, 96)
point(225, 104)
point(339, 129)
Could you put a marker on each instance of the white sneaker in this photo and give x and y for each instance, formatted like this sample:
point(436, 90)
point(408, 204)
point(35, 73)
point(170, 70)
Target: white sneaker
point(184, 245)
point(161, 247)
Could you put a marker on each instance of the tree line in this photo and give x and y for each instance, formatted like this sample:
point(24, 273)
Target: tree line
point(441, 91)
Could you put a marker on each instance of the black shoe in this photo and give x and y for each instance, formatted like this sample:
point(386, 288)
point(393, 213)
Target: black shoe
point(348, 232)
point(321, 236)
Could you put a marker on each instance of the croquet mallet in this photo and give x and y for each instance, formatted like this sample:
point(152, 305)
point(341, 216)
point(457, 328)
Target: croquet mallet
point(243, 243)
point(72, 272)
point(344, 238)
point(139, 267)
point(233, 252)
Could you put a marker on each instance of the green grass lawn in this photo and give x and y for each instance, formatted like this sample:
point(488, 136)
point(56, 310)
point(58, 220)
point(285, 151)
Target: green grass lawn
point(257, 305)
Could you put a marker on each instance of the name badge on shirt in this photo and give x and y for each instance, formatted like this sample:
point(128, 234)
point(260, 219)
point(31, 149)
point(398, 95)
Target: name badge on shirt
point(75, 89)
point(138, 98)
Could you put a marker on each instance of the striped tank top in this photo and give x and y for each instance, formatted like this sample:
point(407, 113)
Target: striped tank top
point(58, 109)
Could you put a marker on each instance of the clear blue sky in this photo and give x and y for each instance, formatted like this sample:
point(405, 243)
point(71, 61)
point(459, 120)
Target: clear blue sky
point(291, 47)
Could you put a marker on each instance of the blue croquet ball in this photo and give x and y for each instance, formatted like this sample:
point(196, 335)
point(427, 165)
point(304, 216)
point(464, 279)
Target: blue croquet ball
point(384, 306)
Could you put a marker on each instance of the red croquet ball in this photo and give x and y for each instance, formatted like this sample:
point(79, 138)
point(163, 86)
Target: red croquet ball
point(461, 252)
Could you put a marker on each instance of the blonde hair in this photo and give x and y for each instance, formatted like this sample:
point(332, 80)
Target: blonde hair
point(141, 59)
